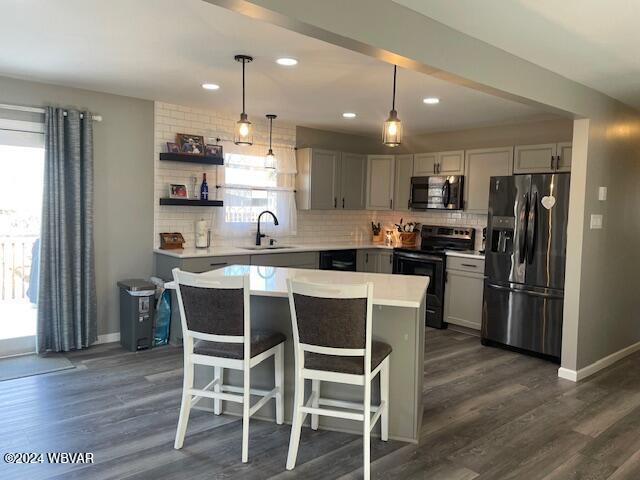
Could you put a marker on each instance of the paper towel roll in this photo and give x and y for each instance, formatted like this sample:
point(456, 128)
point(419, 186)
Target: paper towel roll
point(201, 234)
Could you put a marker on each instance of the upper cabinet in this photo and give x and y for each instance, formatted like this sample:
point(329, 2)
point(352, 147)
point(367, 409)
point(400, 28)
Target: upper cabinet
point(481, 165)
point(380, 178)
point(317, 179)
point(563, 157)
point(439, 163)
point(425, 164)
point(451, 163)
point(328, 180)
point(402, 184)
point(353, 169)
point(542, 158)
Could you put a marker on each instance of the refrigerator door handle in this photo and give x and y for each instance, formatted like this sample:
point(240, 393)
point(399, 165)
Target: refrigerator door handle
point(523, 225)
point(532, 225)
point(531, 293)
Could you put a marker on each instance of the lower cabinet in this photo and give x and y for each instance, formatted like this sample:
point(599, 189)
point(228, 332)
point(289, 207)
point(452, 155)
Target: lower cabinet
point(375, 261)
point(165, 263)
point(291, 260)
point(463, 292)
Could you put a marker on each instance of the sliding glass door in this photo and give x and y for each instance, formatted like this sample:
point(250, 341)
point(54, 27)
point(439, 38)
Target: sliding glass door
point(21, 174)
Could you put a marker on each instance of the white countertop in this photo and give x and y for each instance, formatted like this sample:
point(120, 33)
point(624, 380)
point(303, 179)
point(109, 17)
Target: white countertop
point(466, 254)
point(389, 290)
point(226, 251)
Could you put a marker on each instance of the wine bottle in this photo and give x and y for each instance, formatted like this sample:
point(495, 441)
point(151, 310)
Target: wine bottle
point(204, 188)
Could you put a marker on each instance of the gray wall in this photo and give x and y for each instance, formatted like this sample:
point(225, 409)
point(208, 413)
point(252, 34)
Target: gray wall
point(343, 142)
point(560, 130)
point(123, 157)
point(524, 133)
point(600, 315)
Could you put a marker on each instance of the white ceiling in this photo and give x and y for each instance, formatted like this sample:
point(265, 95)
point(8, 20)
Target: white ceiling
point(164, 49)
point(594, 42)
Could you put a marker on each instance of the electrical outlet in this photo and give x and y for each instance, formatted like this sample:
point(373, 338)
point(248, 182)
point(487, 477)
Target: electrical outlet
point(602, 194)
point(596, 222)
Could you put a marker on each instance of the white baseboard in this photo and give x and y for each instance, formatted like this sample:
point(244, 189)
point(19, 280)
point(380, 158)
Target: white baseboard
point(108, 338)
point(577, 375)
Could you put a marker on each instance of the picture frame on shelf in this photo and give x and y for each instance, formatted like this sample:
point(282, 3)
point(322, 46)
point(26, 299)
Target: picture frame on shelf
point(190, 144)
point(178, 190)
point(173, 147)
point(213, 150)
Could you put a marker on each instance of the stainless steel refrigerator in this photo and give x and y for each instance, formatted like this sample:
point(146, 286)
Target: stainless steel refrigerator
point(525, 263)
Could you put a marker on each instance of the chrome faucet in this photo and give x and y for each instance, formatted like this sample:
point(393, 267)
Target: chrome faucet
point(260, 235)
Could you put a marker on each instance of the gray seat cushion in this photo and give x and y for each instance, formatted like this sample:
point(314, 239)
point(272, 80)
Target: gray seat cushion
point(261, 341)
point(352, 365)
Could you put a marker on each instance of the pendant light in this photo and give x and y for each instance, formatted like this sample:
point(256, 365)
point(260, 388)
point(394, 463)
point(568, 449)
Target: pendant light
point(270, 159)
point(243, 134)
point(392, 128)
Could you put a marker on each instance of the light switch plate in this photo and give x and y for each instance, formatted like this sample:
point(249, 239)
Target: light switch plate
point(596, 222)
point(602, 194)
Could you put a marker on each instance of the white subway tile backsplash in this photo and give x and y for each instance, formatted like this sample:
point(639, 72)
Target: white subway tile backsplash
point(313, 226)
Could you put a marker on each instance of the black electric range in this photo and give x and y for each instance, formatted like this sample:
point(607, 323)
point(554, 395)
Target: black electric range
point(429, 259)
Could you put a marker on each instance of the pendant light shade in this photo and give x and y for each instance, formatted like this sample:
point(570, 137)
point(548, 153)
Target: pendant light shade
point(270, 158)
point(244, 131)
point(392, 128)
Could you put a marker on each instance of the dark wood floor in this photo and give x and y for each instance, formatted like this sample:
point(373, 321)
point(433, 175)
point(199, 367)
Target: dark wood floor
point(489, 414)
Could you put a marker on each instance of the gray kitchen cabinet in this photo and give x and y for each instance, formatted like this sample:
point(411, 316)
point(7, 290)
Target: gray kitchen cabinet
point(385, 261)
point(402, 182)
point(424, 164)
point(374, 261)
point(366, 261)
point(463, 292)
point(480, 165)
point(451, 163)
point(353, 180)
point(291, 260)
point(563, 157)
point(166, 263)
point(318, 179)
point(380, 173)
point(542, 158)
point(439, 163)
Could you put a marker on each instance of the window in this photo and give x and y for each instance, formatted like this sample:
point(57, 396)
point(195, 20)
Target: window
point(21, 170)
point(248, 188)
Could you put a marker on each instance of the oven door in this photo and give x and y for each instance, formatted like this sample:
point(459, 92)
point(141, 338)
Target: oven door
point(431, 266)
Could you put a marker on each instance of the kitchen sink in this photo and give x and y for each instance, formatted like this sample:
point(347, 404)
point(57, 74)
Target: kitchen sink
point(266, 247)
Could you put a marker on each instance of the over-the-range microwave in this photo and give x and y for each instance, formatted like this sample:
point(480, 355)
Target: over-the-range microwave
point(437, 192)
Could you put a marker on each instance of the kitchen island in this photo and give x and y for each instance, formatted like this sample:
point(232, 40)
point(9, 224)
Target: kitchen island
point(398, 319)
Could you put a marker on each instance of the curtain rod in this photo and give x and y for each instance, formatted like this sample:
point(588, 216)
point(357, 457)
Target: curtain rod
point(259, 189)
point(277, 145)
point(21, 108)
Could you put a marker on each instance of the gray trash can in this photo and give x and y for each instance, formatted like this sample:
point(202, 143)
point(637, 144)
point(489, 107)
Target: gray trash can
point(137, 304)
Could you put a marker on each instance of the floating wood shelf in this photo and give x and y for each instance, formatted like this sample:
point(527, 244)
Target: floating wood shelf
point(189, 202)
point(187, 157)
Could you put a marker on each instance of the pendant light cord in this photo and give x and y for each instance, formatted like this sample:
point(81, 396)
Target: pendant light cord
point(393, 103)
point(270, 131)
point(243, 63)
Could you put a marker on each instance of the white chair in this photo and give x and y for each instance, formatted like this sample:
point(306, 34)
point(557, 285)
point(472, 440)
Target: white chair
point(332, 343)
point(216, 329)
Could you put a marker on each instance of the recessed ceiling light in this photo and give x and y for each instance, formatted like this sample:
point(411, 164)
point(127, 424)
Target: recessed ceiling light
point(349, 115)
point(210, 86)
point(287, 62)
point(431, 100)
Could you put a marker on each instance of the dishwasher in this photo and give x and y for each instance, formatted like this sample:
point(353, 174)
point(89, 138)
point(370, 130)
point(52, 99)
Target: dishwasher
point(344, 260)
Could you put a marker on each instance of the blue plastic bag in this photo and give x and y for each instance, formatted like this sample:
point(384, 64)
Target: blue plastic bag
point(163, 319)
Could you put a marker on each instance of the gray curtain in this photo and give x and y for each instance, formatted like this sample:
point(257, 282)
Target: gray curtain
point(66, 297)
